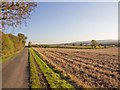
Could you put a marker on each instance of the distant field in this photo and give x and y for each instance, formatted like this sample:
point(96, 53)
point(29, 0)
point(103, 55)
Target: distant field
point(69, 46)
point(86, 67)
point(109, 51)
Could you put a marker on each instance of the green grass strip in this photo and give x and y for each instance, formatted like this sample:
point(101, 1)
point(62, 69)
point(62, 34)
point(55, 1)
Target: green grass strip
point(53, 78)
point(34, 79)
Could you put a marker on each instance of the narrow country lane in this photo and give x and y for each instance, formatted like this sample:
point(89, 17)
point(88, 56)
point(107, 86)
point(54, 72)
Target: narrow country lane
point(15, 72)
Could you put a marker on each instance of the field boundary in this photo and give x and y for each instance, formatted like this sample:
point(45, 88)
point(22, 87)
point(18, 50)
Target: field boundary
point(68, 47)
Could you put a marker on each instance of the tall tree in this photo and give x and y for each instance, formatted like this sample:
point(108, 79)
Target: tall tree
point(15, 13)
point(29, 44)
point(94, 43)
point(22, 38)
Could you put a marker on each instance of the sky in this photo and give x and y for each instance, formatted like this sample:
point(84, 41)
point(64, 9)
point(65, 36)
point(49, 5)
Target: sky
point(62, 22)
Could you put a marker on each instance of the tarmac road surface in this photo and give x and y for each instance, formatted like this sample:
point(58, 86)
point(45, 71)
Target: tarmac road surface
point(15, 72)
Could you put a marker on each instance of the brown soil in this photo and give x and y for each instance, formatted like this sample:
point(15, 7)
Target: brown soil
point(88, 68)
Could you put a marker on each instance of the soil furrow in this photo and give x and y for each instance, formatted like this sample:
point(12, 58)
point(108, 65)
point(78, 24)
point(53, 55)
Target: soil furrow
point(42, 79)
point(94, 73)
point(80, 62)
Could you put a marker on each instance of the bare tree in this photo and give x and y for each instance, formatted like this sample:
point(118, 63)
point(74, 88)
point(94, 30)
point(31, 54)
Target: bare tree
point(15, 13)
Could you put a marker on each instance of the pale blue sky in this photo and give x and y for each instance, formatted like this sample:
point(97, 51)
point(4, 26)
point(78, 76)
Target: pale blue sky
point(68, 22)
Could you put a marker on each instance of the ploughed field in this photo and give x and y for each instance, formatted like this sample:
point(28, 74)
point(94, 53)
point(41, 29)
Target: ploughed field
point(86, 67)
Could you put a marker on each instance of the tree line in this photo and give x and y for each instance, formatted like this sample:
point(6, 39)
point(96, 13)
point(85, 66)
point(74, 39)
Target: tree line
point(94, 44)
point(12, 43)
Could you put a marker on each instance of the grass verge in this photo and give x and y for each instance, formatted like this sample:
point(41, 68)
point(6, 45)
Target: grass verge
point(6, 58)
